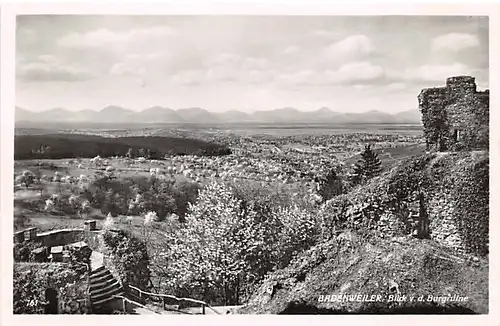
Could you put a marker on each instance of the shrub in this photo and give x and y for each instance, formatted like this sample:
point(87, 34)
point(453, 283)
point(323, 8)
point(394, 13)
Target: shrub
point(26, 178)
point(299, 232)
point(333, 184)
point(23, 251)
point(130, 257)
point(334, 215)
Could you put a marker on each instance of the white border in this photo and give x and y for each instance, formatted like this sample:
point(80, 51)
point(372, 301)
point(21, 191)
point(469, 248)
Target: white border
point(7, 98)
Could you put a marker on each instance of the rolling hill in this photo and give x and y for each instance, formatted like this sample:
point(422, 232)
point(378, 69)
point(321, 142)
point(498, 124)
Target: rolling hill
point(57, 146)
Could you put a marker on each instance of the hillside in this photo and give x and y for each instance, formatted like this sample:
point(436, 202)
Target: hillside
point(347, 266)
point(370, 243)
point(58, 146)
point(390, 156)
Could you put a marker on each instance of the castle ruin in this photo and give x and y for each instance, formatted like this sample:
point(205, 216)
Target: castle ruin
point(455, 117)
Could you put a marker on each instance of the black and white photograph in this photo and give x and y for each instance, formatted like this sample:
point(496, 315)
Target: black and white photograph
point(250, 164)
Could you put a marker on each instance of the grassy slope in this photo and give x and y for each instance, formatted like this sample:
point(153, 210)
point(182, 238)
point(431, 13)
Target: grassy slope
point(390, 156)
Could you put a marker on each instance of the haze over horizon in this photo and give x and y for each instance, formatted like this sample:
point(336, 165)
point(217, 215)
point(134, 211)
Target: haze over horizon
point(245, 63)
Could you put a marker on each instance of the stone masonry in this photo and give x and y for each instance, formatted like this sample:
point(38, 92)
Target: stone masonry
point(456, 116)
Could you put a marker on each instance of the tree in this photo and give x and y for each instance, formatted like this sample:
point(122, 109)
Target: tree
point(227, 245)
point(130, 153)
point(367, 167)
point(184, 192)
point(207, 255)
point(26, 178)
point(331, 185)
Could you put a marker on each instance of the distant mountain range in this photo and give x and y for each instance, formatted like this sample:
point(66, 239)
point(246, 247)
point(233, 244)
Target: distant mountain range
point(158, 114)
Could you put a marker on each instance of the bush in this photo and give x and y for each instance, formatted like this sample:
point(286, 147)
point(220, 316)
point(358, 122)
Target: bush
point(380, 205)
point(130, 257)
point(333, 184)
point(23, 251)
point(298, 233)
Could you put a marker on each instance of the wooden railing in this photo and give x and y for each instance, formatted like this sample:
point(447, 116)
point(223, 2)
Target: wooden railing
point(125, 299)
point(141, 294)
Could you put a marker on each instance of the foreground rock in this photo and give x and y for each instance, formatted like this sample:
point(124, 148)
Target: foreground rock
point(376, 269)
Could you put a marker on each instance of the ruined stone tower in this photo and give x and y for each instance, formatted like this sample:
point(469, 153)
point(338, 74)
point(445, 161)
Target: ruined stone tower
point(456, 116)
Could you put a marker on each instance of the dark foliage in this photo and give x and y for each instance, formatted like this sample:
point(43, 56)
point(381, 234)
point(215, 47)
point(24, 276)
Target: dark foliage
point(130, 257)
point(368, 166)
point(164, 197)
point(331, 185)
point(59, 146)
point(23, 252)
point(409, 178)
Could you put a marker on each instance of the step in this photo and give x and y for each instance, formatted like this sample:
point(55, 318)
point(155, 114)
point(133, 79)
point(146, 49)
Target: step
point(108, 294)
point(100, 279)
point(115, 284)
point(99, 273)
point(97, 303)
point(103, 286)
point(98, 269)
point(97, 286)
point(105, 297)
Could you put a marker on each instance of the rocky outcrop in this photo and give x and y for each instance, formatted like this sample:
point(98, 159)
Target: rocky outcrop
point(396, 275)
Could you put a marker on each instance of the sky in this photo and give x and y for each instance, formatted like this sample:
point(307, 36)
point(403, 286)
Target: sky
point(246, 63)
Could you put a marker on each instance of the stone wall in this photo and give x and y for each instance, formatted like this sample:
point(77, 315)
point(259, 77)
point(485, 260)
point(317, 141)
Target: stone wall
point(449, 172)
point(60, 237)
point(455, 117)
point(443, 222)
point(455, 200)
point(31, 280)
point(64, 237)
point(74, 298)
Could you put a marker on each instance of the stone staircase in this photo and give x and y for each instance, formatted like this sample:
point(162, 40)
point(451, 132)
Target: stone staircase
point(103, 286)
